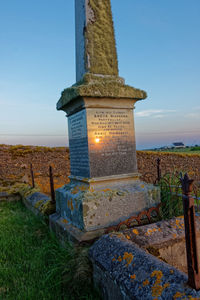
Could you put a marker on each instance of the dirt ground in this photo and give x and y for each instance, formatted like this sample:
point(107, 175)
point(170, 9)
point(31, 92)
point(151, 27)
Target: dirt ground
point(15, 165)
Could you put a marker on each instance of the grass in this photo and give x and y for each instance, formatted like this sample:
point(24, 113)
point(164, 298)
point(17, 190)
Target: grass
point(32, 263)
point(21, 151)
point(171, 196)
point(187, 150)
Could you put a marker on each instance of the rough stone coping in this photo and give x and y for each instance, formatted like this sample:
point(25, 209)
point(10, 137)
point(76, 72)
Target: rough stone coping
point(159, 233)
point(122, 270)
point(9, 197)
point(34, 201)
point(67, 232)
point(3, 194)
point(133, 176)
point(100, 87)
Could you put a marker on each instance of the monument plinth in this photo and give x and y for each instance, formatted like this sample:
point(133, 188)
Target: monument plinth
point(104, 184)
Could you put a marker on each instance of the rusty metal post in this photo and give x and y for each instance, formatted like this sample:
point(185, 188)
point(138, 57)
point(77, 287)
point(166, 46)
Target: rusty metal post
point(53, 200)
point(190, 233)
point(158, 170)
point(32, 176)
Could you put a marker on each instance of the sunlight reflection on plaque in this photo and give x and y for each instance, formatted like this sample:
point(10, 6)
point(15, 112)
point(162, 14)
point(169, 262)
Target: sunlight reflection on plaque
point(111, 141)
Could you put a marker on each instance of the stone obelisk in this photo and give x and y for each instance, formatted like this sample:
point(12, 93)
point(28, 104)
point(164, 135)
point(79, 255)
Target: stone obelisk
point(104, 184)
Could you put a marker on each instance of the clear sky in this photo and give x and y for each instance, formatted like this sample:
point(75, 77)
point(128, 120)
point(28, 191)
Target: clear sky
point(158, 44)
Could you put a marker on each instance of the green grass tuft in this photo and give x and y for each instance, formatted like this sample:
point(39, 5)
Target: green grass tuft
point(32, 263)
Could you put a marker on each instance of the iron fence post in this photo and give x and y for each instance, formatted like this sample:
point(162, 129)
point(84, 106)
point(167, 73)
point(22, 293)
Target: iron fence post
point(53, 200)
point(158, 170)
point(32, 176)
point(190, 233)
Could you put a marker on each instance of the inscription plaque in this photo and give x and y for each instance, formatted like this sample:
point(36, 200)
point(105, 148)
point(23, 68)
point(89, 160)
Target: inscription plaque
point(78, 144)
point(111, 142)
point(102, 142)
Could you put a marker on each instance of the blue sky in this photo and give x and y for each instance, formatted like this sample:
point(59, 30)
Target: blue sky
point(158, 44)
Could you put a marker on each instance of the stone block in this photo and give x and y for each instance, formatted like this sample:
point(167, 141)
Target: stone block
point(91, 206)
point(122, 270)
point(102, 139)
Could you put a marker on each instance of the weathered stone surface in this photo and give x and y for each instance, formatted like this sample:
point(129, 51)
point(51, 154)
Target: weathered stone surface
point(3, 194)
point(111, 142)
point(96, 56)
point(66, 232)
point(124, 271)
point(35, 202)
point(99, 87)
point(9, 197)
point(102, 141)
point(34, 198)
point(78, 144)
point(157, 233)
point(90, 206)
point(105, 187)
point(165, 239)
point(95, 42)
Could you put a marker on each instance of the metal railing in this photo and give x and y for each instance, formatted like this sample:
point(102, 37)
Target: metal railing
point(189, 195)
point(190, 233)
point(51, 182)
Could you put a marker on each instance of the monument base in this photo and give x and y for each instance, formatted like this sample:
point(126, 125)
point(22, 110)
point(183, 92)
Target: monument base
point(66, 232)
point(87, 206)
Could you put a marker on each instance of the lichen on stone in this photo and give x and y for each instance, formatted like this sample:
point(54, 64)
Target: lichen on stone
point(100, 50)
point(157, 288)
point(101, 78)
point(38, 203)
point(154, 251)
point(22, 189)
point(135, 231)
point(100, 87)
point(127, 257)
point(48, 208)
point(133, 276)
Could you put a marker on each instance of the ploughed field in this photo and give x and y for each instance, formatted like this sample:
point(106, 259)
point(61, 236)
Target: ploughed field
point(15, 165)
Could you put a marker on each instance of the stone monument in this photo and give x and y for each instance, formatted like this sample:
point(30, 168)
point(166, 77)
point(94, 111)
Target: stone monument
point(104, 186)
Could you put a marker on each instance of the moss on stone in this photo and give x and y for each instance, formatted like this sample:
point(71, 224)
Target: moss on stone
point(48, 208)
point(100, 52)
point(154, 251)
point(38, 203)
point(100, 87)
point(86, 209)
point(19, 188)
point(101, 65)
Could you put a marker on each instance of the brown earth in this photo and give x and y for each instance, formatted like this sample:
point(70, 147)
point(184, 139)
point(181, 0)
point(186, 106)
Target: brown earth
point(15, 165)
point(169, 163)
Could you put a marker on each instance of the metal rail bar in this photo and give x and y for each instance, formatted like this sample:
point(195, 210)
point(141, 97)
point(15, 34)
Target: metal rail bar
point(32, 176)
point(190, 233)
point(53, 199)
